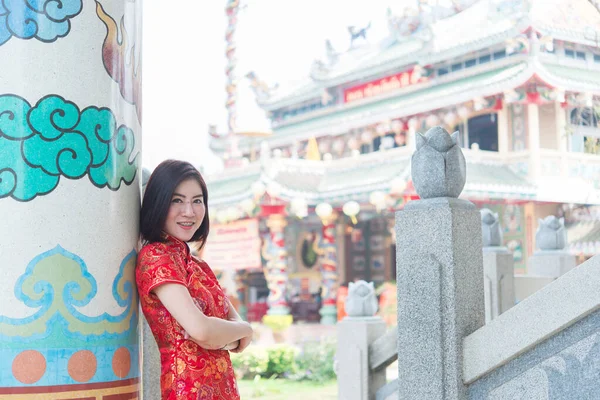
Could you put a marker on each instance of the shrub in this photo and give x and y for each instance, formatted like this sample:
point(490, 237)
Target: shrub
point(315, 361)
point(281, 360)
point(252, 362)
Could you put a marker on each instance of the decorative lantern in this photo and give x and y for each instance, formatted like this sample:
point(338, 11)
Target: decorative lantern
point(258, 189)
point(274, 189)
point(366, 137)
point(299, 207)
point(351, 209)
point(248, 206)
point(432, 120)
point(463, 112)
point(559, 95)
point(397, 186)
point(378, 199)
point(450, 119)
point(413, 123)
point(353, 144)
point(324, 211)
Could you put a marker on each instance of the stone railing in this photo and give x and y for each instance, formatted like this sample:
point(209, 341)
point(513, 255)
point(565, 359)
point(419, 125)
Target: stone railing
point(545, 347)
point(365, 348)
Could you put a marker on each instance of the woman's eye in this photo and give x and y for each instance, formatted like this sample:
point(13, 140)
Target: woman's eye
point(198, 201)
point(176, 201)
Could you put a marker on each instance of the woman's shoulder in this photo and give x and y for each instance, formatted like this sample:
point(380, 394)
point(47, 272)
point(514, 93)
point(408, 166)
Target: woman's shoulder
point(156, 250)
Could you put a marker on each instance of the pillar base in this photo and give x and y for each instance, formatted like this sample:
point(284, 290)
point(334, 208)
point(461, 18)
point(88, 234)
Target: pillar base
point(328, 315)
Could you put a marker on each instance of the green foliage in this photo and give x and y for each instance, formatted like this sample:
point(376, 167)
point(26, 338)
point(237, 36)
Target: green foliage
point(282, 359)
point(312, 362)
point(251, 363)
point(315, 362)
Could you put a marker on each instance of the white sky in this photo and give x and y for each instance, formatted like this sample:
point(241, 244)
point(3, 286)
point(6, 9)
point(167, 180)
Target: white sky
point(184, 63)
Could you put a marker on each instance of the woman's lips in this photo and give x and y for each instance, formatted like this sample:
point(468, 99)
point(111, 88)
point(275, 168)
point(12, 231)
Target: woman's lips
point(186, 227)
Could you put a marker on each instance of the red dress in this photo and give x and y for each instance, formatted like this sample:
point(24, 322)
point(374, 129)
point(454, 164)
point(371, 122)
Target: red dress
point(187, 370)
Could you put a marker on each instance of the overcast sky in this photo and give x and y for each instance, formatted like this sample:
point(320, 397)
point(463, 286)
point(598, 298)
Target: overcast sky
point(184, 63)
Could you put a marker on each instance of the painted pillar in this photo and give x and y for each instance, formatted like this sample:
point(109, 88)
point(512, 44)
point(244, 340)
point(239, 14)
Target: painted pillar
point(533, 136)
point(561, 137)
point(503, 130)
point(70, 132)
point(329, 273)
point(276, 272)
point(240, 289)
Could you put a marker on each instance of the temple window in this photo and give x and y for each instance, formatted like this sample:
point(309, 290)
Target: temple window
point(584, 116)
point(482, 129)
point(597, 58)
point(499, 54)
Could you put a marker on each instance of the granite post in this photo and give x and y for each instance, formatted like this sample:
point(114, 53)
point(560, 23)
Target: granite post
point(439, 264)
point(355, 333)
point(498, 268)
point(551, 260)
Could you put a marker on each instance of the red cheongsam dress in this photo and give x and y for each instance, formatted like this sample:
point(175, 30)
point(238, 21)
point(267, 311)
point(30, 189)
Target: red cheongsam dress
point(187, 370)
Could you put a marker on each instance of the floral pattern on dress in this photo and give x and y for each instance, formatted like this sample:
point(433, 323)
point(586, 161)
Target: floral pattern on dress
point(188, 371)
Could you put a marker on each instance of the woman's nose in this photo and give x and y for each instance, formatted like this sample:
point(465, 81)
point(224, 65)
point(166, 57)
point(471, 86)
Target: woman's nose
point(187, 209)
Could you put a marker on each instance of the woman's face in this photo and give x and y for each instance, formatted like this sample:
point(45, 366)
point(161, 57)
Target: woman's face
point(186, 211)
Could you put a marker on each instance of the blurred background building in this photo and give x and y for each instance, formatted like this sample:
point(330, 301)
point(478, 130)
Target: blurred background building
point(310, 206)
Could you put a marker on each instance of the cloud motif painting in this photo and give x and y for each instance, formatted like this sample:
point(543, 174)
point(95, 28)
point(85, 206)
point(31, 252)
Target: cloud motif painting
point(54, 138)
point(44, 20)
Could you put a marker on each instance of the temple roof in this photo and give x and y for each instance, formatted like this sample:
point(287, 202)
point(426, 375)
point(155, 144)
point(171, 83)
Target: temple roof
point(355, 178)
point(485, 23)
point(445, 91)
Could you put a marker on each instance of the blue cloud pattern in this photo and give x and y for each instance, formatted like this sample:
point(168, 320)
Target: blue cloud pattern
point(54, 138)
point(45, 20)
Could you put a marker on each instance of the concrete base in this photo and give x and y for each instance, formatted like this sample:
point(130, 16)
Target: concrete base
point(498, 281)
point(551, 264)
point(355, 381)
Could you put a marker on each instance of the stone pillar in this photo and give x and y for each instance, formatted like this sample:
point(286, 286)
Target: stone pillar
point(276, 272)
point(533, 136)
point(498, 268)
point(439, 273)
point(355, 334)
point(551, 260)
point(329, 274)
point(70, 129)
point(498, 281)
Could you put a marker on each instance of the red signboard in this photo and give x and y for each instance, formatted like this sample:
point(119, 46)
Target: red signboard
point(383, 86)
point(233, 246)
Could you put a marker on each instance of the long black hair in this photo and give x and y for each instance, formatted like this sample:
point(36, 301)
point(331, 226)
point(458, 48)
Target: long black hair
point(157, 200)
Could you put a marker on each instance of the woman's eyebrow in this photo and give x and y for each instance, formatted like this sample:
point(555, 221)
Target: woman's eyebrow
point(180, 195)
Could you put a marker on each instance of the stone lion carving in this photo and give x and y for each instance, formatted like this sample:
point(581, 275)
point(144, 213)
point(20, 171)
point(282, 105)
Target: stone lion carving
point(490, 228)
point(438, 166)
point(361, 300)
point(551, 234)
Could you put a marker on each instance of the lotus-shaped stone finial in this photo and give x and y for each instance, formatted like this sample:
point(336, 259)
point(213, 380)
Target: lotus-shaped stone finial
point(551, 234)
point(361, 300)
point(490, 228)
point(438, 166)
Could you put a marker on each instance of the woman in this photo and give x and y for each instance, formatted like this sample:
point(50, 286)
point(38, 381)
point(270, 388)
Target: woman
point(191, 318)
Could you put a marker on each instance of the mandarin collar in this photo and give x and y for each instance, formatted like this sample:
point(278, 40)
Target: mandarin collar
point(177, 243)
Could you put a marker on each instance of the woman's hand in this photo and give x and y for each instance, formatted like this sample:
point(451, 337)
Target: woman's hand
point(243, 343)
